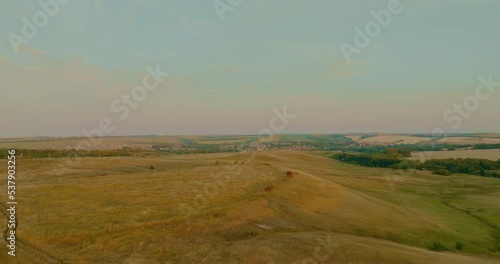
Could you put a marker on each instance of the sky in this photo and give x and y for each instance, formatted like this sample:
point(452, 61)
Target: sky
point(229, 65)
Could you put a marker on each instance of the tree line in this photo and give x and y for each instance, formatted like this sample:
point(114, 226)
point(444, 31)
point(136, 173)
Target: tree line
point(480, 167)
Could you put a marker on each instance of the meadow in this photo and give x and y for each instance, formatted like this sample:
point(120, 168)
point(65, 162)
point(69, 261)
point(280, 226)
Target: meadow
point(253, 207)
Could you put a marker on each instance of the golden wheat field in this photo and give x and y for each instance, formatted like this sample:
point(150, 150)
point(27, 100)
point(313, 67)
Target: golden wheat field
point(491, 154)
point(469, 140)
point(394, 139)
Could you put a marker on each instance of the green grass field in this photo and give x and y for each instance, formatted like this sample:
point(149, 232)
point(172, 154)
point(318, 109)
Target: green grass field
point(246, 208)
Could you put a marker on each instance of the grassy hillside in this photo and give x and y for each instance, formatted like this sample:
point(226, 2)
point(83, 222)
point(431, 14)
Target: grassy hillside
point(265, 207)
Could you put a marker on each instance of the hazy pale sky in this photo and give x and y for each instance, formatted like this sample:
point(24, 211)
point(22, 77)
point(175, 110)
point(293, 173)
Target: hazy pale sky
point(227, 76)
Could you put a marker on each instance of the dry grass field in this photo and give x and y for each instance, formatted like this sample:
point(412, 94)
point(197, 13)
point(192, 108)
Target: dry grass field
point(354, 137)
point(394, 139)
point(469, 140)
point(491, 154)
point(73, 142)
point(264, 207)
point(384, 139)
point(227, 140)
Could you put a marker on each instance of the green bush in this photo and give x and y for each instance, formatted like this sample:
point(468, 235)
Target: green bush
point(438, 246)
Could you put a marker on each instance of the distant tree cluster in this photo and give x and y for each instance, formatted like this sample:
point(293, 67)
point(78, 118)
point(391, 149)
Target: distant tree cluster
point(405, 147)
point(487, 146)
point(480, 167)
point(368, 160)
